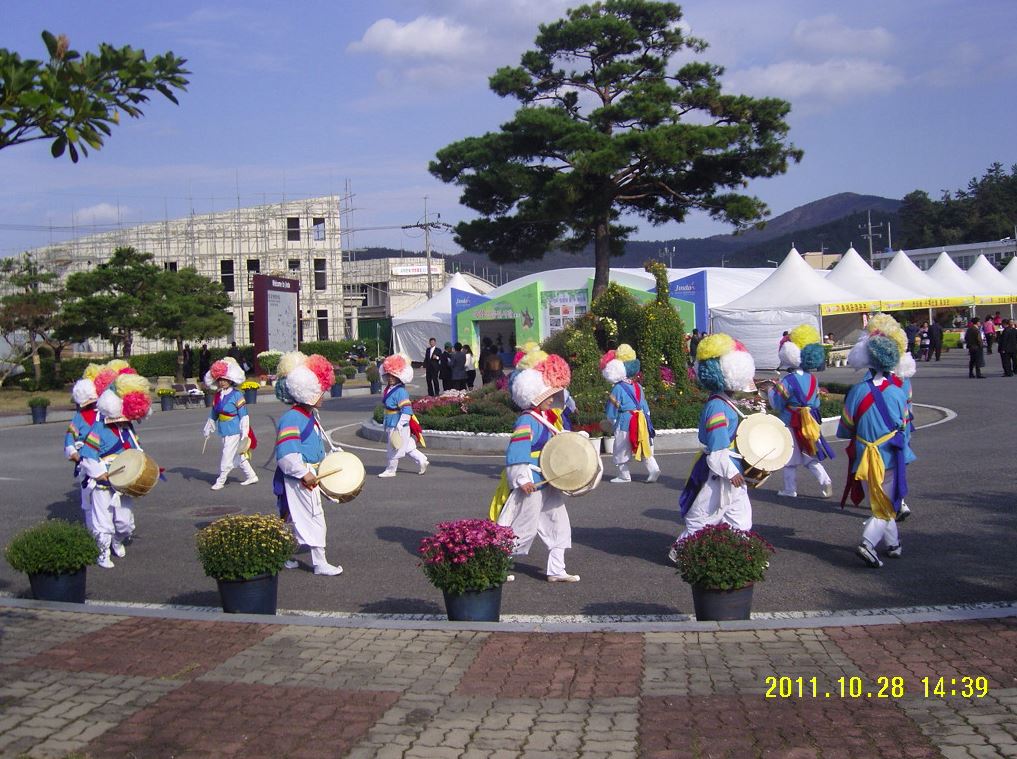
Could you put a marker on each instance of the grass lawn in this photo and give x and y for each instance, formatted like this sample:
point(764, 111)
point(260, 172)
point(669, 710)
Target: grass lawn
point(15, 401)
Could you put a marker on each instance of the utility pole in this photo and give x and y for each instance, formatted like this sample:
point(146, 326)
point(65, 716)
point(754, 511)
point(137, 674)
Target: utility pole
point(427, 226)
point(869, 233)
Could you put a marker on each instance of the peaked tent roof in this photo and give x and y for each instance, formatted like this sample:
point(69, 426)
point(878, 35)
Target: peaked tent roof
point(852, 273)
point(439, 307)
point(793, 284)
point(1010, 270)
point(988, 275)
point(905, 272)
point(947, 272)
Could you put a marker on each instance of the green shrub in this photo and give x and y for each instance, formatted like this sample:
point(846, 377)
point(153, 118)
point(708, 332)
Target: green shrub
point(951, 339)
point(52, 547)
point(661, 337)
point(373, 374)
point(269, 361)
point(349, 372)
point(38, 401)
point(331, 349)
point(243, 546)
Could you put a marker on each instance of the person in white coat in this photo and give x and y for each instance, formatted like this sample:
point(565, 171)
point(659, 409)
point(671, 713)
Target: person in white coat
point(229, 419)
point(402, 431)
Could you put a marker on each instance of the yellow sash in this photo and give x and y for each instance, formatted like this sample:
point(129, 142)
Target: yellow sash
point(501, 495)
point(871, 470)
point(809, 428)
point(642, 449)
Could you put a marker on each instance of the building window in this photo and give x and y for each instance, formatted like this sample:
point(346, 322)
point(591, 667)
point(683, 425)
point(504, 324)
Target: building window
point(250, 326)
point(226, 275)
point(319, 227)
point(322, 324)
point(253, 267)
point(293, 264)
point(320, 275)
point(293, 228)
point(169, 265)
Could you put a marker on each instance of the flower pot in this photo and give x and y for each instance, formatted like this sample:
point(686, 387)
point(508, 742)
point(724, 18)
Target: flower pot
point(166, 401)
point(38, 414)
point(721, 605)
point(608, 444)
point(375, 388)
point(255, 596)
point(336, 391)
point(251, 396)
point(69, 588)
point(474, 605)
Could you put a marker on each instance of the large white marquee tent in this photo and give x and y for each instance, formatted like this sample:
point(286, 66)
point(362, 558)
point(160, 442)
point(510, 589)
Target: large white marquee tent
point(432, 318)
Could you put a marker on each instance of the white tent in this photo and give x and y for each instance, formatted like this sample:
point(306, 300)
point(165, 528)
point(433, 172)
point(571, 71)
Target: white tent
point(853, 274)
point(991, 278)
point(1010, 270)
point(950, 275)
point(904, 271)
point(433, 318)
point(793, 294)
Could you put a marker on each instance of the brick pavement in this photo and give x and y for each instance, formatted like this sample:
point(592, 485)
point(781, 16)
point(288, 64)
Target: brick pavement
point(88, 684)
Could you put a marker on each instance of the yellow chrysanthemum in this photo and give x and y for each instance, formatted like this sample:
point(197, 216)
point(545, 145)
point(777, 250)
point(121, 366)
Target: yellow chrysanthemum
point(117, 364)
point(887, 325)
point(91, 371)
point(625, 352)
point(289, 362)
point(804, 334)
point(714, 346)
point(532, 358)
point(131, 383)
point(529, 345)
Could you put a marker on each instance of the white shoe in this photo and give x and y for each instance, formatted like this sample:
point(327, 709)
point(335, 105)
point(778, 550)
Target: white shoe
point(653, 476)
point(104, 562)
point(250, 480)
point(788, 493)
point(218, 485)
point(672, 555)
point(423, 467)
point(621, 479)
point(118, 549)
point(291, 564)
point(826, 489)
point(868, 556)
point(327, 569)
point(894, 552)
point(510, 578)
point(563, 578)
point(387, 473)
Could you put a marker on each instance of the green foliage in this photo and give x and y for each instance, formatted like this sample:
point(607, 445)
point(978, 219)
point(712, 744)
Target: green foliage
point(38, 401)
point(269, 361)
point(951, 339)
point(339, 350)
point(609, 126)
point(467, 555)
point(373, 374)
point(721, 557)
point(165, 391)
point(618, 304)
point(349, 372)
point(52, 547)
point(578, 345)
point(661, 340)
point(74, 100)
point(29, 311)
point(243, 546)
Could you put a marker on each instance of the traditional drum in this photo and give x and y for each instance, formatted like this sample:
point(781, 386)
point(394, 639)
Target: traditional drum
point(245, 445)
point(570, 463)
point(133, 472)
point(765, 445)
point(341, 476)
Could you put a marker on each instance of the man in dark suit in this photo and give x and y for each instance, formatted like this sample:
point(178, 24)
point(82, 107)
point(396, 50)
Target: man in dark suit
point(432, 366)
point(976, 352)
point(446, 367)
point(935, 340)
point(1007, 344)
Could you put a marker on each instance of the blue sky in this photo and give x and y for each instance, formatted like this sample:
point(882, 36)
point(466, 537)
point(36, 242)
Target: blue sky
point(294, 99)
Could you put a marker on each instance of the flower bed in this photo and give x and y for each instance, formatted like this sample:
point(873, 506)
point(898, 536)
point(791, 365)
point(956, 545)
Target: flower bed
point(467, 555)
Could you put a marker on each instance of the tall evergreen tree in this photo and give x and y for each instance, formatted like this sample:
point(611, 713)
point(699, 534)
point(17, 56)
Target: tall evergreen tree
point(607, 127)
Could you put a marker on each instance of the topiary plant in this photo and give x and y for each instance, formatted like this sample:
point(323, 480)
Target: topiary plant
point(661, 340)
point(54, 547)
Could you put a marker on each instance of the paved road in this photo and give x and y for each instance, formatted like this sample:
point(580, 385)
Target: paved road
point(958, 544)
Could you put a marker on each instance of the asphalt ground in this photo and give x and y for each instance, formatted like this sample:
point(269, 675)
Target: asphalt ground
point(958, 545)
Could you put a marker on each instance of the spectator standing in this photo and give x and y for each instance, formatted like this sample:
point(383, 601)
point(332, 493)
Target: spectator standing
point(188, 361)
point(998, 321)
point(234, 351)
point(492, 366)
point(432, 366)
point(446, 367)
point(204, 361)
point(458, 368)
point(911, 331)
point(935, 340)
point(1007, 345)
point(693, 344)
point(989, 328)
point(976, 356)
point(471, 367)
point(924, 341)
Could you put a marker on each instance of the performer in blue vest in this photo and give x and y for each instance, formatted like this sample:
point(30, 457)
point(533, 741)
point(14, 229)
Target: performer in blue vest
point(299, 449)
point(715, 490)
point(229, 419)
point(109, 515)
point(401, 425)
point(534, 509)
point(795, 399)
point(628, 414)
point(875, 421)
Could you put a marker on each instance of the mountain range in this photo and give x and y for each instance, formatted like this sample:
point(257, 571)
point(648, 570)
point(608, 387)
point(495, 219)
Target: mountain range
point(833, 224)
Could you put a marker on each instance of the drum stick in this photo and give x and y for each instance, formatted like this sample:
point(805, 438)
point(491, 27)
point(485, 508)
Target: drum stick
point(118, 470)
point(320, 477)
point(204, 446)
point(549, 480)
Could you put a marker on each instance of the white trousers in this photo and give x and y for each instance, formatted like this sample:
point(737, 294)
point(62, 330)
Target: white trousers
point(408, 448)
point(719, 501)
point(799, 458)
point(540, 514)
point(230, 459)
point(108, 517)
point(306, 513)
point(881, 533)
point(623, 454)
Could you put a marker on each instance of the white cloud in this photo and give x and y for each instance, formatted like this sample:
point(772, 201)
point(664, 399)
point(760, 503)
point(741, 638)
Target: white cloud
point(423, 37)
point(101, 213)
point(829, 81)
point(832, 37)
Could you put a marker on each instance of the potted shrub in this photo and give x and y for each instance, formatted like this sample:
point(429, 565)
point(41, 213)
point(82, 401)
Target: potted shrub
point(165, 398)
point(244, 554)
point(38, 405)
point(469, 560)
point(269, 361)
point(55, 555)
point(250, 390)
point(721, 563)
point(349, 372)
point(336, 391)
point(374, 377)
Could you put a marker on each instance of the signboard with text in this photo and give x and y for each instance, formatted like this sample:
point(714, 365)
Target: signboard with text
point(276, 312)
